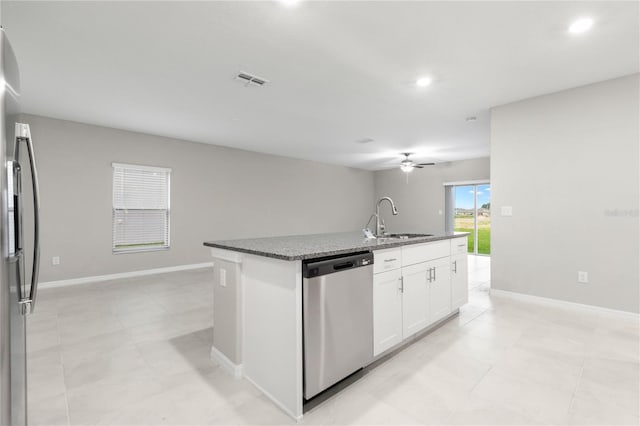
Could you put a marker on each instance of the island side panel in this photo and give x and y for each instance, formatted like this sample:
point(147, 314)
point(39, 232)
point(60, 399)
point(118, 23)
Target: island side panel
point(227, 310)
point(272, 339)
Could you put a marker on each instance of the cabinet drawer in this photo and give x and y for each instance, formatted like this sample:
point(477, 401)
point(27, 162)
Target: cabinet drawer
point(386, 260)
point(417, 253)
point(458, 245)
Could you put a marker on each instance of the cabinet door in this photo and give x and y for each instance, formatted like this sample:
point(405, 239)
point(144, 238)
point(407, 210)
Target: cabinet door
point(415, 299)
point(459, 281)
point(440, 289)
point(387, 310)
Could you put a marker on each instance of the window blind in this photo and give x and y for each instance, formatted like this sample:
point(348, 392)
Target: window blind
point(140, 219)
point(449, 201)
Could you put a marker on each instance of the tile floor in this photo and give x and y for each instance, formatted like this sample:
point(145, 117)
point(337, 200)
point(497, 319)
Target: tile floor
point(136, 352)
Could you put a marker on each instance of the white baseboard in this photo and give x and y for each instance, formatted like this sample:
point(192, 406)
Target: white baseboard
point(220, 358)
point(98, 278)
point(274, 400)
point(555, 302)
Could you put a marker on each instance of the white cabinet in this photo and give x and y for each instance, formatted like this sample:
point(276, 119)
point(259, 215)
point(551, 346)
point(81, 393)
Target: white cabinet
point(418, 253)
point(387, 310)
point(387, 260)
point(400, 305)
point(459, 245)
point(439, 289)
point(415, 299)
point(414, 286)
point(459, 280)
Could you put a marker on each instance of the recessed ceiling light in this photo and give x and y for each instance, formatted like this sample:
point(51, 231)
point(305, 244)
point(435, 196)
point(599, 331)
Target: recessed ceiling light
point(581, 25)
point(423, 81)
point(289, 3)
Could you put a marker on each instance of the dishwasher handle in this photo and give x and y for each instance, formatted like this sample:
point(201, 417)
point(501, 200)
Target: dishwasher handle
point(341, 266)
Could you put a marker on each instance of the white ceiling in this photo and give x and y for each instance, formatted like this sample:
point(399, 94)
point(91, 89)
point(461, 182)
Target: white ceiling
point(339, 71)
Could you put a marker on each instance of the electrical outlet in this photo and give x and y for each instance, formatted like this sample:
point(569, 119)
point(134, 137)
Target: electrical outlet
point(55, 260)
point(583, 277)
point(506, 211)
point(223, 277)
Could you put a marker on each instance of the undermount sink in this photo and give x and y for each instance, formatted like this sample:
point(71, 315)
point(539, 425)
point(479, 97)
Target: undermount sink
point(403, 236)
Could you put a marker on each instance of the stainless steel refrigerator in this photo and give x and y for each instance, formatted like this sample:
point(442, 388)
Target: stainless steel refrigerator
point(19, 206)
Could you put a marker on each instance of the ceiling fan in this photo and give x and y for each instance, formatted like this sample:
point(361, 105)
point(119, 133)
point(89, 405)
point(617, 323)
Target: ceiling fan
point(407, 165)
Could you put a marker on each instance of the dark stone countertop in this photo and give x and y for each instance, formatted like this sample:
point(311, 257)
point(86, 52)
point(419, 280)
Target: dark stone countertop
point(301, 247)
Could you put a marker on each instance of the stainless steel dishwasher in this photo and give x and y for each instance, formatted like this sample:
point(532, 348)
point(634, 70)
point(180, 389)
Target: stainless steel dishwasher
point(337, 309)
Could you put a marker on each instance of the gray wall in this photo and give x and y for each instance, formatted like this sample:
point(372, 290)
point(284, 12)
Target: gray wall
point(568, 165)
point(420, 202)
point(216, 193)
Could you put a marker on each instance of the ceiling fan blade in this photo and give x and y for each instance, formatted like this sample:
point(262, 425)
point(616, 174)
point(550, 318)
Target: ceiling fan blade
point(417, 166)
point(426, 164)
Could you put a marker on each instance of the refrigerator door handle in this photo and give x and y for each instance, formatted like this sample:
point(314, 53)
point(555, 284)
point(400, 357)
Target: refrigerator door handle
point(16, 253)
point(15, 172)
point(23, 134)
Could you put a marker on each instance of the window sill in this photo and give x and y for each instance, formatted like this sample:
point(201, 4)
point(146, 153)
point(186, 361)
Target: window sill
point(138, 250)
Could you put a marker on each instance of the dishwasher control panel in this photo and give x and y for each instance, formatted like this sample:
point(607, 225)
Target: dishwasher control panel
point(329, 265)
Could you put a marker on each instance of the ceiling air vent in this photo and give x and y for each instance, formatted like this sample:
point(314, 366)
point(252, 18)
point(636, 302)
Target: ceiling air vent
point(365, 140)
point(249, 79)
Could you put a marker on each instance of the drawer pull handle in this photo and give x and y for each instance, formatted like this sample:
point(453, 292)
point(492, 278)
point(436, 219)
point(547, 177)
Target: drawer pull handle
point(390, 260)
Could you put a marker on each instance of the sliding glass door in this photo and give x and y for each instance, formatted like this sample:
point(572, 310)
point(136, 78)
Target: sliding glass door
point(472, 214)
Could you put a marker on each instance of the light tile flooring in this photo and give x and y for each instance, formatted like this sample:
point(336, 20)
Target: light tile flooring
point(136, 352)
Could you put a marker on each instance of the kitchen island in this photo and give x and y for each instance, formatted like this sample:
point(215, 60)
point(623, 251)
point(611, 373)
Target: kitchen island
point(258, 300)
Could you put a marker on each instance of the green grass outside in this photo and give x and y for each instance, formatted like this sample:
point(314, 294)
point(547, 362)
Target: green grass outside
point(484, 239)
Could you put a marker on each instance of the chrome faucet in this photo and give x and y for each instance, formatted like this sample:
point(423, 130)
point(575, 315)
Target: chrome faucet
point(379, 220)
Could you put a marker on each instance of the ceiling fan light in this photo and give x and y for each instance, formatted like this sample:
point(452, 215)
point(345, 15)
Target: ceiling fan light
point(406, 167)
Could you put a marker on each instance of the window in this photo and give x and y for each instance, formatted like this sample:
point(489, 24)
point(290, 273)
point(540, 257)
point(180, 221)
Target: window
point(468, 206)
point(140, 217)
